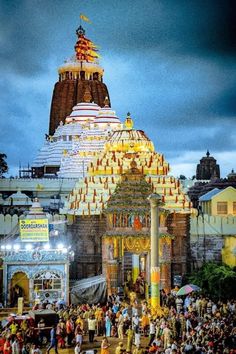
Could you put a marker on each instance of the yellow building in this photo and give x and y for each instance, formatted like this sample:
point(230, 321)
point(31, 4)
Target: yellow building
point(219, 209)
point(219, 202)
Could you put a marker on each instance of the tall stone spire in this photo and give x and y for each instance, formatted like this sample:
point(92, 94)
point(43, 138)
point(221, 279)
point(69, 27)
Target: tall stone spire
point(79, 73)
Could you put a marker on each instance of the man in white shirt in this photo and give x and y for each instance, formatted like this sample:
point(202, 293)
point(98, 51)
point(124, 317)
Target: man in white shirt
point(91, 328)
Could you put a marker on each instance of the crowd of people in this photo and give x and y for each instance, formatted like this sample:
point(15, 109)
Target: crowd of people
point(193, 324)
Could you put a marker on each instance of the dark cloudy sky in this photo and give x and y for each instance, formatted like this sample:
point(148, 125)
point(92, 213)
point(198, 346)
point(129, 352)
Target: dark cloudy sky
point(171, 63)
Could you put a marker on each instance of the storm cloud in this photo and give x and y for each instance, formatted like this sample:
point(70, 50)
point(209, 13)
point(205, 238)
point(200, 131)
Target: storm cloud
point(170, 63)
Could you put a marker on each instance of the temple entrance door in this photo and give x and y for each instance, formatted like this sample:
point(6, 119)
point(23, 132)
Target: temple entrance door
point(143, 266)
point(19, 287)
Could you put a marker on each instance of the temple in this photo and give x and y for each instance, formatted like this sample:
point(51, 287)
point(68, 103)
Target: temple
point(103, 209)
point(68, 151)
point(207, 168)
point(82, 71)
point(113, 169)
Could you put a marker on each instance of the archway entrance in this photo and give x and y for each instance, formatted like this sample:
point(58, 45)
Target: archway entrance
point(19, 287)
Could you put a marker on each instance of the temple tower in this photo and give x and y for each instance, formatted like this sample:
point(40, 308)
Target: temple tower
point(207, 168)
point(80, 73)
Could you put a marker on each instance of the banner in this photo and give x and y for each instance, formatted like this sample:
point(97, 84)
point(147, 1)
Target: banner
point(20, 305)
point(35, 230)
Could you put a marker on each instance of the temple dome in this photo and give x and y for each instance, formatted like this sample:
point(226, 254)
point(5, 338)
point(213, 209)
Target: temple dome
point(129, 140)
point(83, 112)
point(107, 117)
point(232, 176)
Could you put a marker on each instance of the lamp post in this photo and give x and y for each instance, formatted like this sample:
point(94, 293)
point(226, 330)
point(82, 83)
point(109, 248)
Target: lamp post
point(155, 201)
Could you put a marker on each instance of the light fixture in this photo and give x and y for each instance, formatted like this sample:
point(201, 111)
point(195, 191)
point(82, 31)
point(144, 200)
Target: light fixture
point(16, 247)
point(47, 246)
point(8, 247)
point(3, 247)
point(64, 250)
point(60, 246)
point(28, 247)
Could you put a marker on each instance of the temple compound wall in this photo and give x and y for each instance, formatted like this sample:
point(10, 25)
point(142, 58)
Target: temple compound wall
point(85, 236)
point(212, 238)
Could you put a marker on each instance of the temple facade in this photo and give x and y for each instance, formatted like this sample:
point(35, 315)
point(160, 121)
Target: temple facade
point(88, 207)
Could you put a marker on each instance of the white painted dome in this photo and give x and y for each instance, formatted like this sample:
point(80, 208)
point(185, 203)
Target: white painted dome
point(83, 112)
point(107, 116)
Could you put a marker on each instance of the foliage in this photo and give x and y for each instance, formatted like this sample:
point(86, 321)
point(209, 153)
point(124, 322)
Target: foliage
point(3, 164)
point(218, 280)
point(182, 177)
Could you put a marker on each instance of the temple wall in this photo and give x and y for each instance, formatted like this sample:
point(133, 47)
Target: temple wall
point(8, 223)
point(85, 235)
point(209, 237)
point(179, 226)
point(213, 225)
point(39, 185)
point(205, 248)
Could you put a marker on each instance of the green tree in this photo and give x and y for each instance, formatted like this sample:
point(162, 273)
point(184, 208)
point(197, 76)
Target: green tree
point(182, 177)
point(218, 280)
point(3, 164)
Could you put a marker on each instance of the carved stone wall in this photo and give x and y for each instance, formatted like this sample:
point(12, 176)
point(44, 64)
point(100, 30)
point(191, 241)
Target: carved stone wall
point(205, 248)
point(68, 93)
point(86, 240)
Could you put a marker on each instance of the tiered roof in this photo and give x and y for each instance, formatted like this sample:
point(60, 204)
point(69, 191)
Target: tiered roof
point(90, 195)
point(76, 142)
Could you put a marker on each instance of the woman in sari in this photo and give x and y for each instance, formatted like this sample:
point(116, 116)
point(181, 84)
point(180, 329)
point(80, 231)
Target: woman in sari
point(105, 346)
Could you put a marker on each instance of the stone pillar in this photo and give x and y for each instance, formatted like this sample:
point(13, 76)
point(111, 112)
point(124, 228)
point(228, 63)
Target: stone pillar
point(154, 200)
point(31, 291)
point(135, 267)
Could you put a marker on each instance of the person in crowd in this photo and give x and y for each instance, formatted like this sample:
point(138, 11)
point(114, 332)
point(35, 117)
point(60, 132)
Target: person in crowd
point(105, 346)
point(69, 330)
point(53, 340)
point(77, 349)
point(35, 349)
point(130, 336)
point(7, 346)
point(78, 334)
point(91, 328)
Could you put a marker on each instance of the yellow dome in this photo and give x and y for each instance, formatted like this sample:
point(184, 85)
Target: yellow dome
point(129, 141)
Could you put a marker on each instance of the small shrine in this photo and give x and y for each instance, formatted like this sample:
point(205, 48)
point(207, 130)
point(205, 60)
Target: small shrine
point(36, 261)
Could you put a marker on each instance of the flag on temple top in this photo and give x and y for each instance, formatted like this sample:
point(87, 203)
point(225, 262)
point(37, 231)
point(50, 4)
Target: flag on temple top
point(85, 18)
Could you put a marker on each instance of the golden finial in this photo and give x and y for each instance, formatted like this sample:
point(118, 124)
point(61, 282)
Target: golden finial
point(129, 122)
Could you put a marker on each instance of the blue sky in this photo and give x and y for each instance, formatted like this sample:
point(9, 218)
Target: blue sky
point(172, 64)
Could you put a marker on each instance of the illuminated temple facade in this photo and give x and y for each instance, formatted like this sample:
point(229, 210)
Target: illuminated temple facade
point(96, 227)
